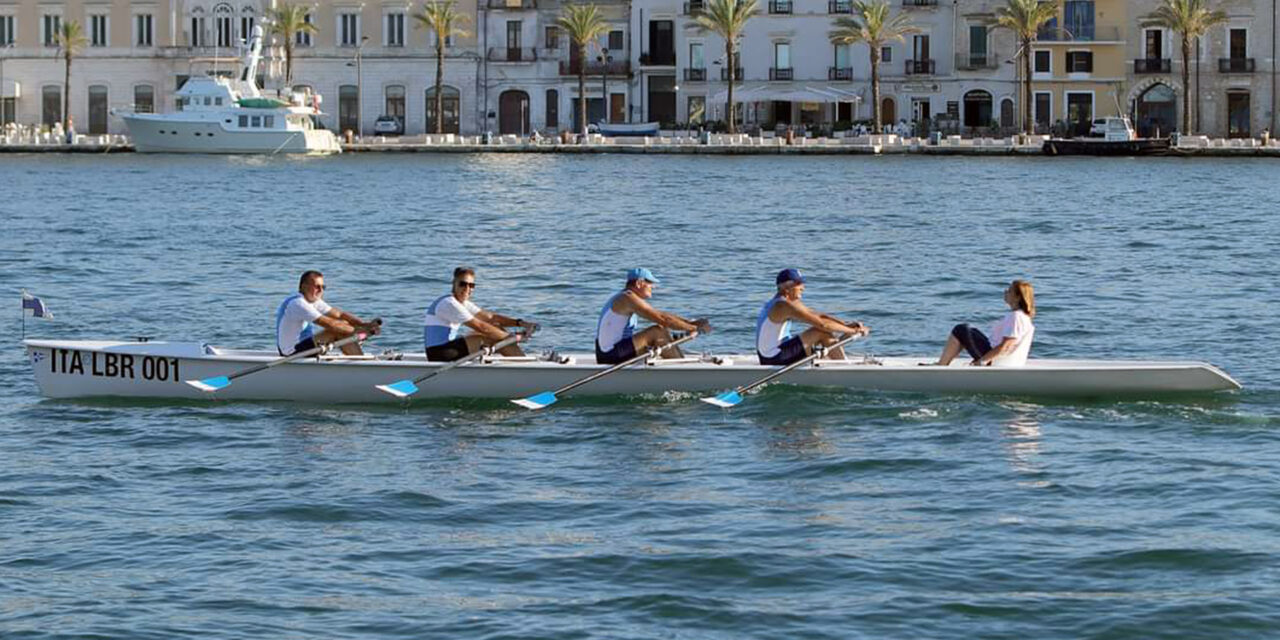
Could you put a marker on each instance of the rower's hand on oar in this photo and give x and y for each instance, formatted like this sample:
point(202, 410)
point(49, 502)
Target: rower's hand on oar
point(702, 325)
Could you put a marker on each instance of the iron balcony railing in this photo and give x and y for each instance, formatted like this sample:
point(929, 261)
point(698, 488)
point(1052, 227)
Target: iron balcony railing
point(781, 73)
point(781, 7)
point(839, 6)
point(919, 3)
point(1152, 65)
point(1235, 65)
point(840, 73)
point(693, 8)
point(695, 75)
point(513, 54)
point(615, 68)
point(973, 61)
point(513, 4)
point(1087, 33)
point(920, 67)
point(737, 74)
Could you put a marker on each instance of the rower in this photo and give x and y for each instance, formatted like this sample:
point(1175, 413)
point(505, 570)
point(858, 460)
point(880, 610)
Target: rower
point(449, 313)
point(616, 337)
point(775, 344)
point(300, 313)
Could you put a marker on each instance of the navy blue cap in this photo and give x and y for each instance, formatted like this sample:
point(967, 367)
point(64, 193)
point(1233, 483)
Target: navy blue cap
point(790, 276)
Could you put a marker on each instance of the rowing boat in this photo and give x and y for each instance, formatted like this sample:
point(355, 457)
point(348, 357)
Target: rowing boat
point(83, 368)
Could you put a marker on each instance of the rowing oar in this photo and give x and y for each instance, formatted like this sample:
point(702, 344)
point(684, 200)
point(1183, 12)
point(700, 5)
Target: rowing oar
point(732, 398)
point(406, 388)
point(548, 398)
point(219, 383)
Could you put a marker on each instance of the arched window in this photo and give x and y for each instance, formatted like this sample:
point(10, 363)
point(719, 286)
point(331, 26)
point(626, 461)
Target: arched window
point(1006, 113)
point(452, 107)
point(223, 20)
point(248, 17)
point(553, 109)
point(197, 37)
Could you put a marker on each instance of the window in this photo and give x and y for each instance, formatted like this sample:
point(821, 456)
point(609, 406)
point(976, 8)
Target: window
point(244, 122)
point(197, 36)
point(395, 101)
point(142, 31)
point(920, 48)
point(1154, 42)
point(513, 34)
point(697, 109)
point(615, 41)
point(246, 27)
point(552, 38)
point(1080, 112)
point(1079, 62)
point(977, 41)
point(97, 109)
point(6, 30)
point(553, 109)
point(782, 55)
point(1043, 62)
point(144, 99)
point(1237, 44)
point(394, 36)
point(222, 26)
point(98, 31)
point(842, 56)
point(1078, 16)
point(451, 106)
point(886, 54)
point(303, 38)
point(51, 105)
point(50, 24)
point(256, 121)
point(348, 108)
point(1043, 110)
point(348, 29)
point(696, 58)
point(269, 122)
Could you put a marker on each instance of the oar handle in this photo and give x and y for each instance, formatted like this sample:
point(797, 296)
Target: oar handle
point(798, 363)
point(648, 353)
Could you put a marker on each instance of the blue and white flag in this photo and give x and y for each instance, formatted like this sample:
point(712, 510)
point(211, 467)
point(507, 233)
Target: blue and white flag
point(35, 305)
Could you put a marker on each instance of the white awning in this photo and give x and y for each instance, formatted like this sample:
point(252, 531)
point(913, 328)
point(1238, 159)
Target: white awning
point(11, 89)
point(767, 93)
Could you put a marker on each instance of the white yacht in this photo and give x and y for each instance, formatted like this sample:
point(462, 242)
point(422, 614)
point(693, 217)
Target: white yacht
point(229, 115)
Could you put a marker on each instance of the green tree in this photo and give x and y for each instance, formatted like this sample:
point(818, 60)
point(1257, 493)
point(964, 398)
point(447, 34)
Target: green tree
point(70, 40)
point(1025, 18)
point(582, 23)
point(442, 18)
point(872, 24)
point(727, 19)
point(1191, 19)
point(287, 21)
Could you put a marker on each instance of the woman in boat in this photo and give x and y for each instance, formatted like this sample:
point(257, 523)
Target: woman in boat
point(1011, 336)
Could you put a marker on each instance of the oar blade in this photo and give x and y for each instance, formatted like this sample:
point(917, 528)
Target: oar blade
point(401, 389)
point(537, 401)
point(211, 385)
point(726, 400)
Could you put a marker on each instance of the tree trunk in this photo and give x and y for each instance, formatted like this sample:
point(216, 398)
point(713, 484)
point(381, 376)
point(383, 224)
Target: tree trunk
point(439, 82)
point(66, 94)
point(1186, 84)
point(288, 61)
point(582, 88)
point(875, 88)
point(728, 107)
point(1028, 123)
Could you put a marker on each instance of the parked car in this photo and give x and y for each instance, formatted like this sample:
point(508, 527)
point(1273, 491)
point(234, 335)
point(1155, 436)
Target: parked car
point(1099, 128)
point(388, 125)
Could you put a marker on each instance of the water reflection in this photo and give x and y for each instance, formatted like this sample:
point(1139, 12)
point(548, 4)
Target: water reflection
point(1022, 436)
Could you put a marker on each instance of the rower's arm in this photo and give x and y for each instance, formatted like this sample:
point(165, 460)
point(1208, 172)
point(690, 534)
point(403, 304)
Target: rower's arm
point(799, 311)
point(353, 320)
point(1005, 347)
point(332, 321)
point(485, 329)
point(660, 318)
point(499, 319)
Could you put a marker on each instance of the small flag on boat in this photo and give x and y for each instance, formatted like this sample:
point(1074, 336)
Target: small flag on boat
point(35, 305)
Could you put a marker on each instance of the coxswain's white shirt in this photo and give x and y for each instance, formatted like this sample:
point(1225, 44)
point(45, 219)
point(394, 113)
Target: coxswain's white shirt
point(294, 321)
point(1016, 325)
point(444, 318)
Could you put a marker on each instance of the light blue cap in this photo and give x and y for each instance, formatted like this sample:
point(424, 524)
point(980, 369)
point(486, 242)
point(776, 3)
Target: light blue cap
point(640, 273)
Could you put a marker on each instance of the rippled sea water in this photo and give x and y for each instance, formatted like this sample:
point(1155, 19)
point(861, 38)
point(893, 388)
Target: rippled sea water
point(801, 514)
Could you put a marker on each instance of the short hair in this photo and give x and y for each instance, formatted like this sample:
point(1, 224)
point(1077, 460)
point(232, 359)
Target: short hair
point(1026, 296)
point(463, 271)
point(307, 277)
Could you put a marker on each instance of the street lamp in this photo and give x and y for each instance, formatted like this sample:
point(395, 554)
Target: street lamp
point(359, 87)
point(604, 58)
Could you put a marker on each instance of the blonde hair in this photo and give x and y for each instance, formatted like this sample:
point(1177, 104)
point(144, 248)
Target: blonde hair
point(1026, 296)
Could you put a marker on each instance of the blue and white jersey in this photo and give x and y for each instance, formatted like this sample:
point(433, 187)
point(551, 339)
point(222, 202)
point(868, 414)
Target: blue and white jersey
point(770, 334)
point(445, 318)
point(294, 321)
point(613, 327)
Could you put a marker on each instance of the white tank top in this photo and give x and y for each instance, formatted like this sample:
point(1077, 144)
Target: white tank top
point(770, 334)
point(612, 326)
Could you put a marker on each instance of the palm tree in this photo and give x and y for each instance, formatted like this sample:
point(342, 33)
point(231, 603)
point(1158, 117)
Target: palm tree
point(1025, 18)
point(727, 19)
point(583, 23)
point(444, 20)
point(1191, 19)
point(287, 21)
point(70, 40)
point(871, 24)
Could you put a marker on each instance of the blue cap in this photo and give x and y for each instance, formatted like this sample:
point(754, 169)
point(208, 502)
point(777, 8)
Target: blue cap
point(640, 273)
point(790, 276)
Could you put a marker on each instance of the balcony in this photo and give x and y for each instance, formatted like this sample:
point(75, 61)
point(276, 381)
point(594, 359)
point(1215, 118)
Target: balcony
point(839, 6)
point(512, 54)
point(920, 67)
point(615, 68)
point(781, 7)
point(1235, 65)
point(660, 59)
point(1152, 65)
point(737, 75)
point(513, 4)
point(781, 73)
point(693, 8)
point(976, 61)
point(919, 3)
point(1090, 33)
point(695, 75)
point(840, 73)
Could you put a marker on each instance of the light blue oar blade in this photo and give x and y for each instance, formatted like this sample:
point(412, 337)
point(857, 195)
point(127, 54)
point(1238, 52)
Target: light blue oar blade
point(725, 400)
point(539, 401)
point(401, 389)
point(210, 384)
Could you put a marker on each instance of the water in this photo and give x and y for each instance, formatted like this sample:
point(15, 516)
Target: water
point(803, 513)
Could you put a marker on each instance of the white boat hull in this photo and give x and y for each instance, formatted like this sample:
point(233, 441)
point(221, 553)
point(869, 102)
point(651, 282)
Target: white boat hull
point(79, 369)
point(152, 133)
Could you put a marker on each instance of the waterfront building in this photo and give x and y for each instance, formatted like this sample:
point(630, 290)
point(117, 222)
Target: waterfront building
point(1079, 69)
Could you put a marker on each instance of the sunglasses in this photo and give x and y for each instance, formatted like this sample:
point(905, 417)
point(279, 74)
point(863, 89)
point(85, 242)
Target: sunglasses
point(318, 286)
point(464, 284)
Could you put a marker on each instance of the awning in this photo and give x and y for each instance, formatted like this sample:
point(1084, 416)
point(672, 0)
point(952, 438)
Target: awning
point(767, 93)
point(11, 89)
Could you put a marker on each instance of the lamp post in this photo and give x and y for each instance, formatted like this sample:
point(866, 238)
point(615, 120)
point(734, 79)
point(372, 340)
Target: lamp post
point(359, 86)
point(604, 59)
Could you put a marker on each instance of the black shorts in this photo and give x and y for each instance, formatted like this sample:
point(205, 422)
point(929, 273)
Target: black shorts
point(306, 344)
point(454, 349)
point(789, 351)
point(974, 341)
point(621, 352)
